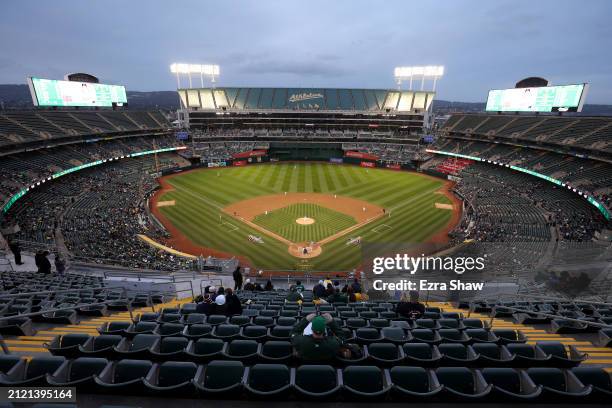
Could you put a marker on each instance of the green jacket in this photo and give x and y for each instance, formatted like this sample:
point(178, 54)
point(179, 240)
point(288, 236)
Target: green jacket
point(337, 298)
point(293, 297)
point(310, 349)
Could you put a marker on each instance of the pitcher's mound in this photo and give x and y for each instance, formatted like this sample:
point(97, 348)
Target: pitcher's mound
point(305, 221)
point(305, 250)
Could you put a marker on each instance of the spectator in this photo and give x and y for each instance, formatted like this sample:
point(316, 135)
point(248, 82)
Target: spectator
point(206, 306)
point(269, 286)
point(16, 250)
point(319, 290)
point(409, 305)
point(337, 297)
point(248, 285)
point(299, 287)
point(350, 294)
point(44, 266)
point(234, 307)
point(237, 278)
point(329, 291)
point(317, 338)
point(293, 295)
point(220, 306)
point(356, 286)
point(258, 287)
point(60, 263)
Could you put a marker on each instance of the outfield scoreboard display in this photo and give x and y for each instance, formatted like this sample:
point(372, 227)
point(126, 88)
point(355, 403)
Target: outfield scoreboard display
point(565, 98)
point(51, 92)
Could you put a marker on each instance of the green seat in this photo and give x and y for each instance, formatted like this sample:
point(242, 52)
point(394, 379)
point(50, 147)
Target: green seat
point(276, 351)
point(267, 380)
point(364, 382)
point(316, 381)
point(86, 367)
point(411, 382)
point(222, 377)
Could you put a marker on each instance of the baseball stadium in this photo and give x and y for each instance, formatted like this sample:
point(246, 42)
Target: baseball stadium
point(300, 245)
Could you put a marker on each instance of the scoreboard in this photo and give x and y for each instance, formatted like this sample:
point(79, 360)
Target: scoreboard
point(565, 98)
point(51, 92)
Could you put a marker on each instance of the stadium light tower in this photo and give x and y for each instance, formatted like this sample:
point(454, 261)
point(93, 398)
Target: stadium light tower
point(427, 72)
point(208, 70)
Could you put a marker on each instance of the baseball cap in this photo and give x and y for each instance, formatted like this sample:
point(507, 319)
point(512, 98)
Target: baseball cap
point(318, 325)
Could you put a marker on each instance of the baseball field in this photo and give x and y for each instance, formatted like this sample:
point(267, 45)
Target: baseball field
point(300, 216)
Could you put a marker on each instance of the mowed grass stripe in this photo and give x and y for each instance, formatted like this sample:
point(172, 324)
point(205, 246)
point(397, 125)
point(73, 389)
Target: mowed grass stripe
point(409, 195)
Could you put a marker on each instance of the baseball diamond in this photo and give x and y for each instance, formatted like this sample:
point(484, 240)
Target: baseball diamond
point(267, 200)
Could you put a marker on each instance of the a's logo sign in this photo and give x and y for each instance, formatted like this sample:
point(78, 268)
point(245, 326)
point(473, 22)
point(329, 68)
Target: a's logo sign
point(304, 96)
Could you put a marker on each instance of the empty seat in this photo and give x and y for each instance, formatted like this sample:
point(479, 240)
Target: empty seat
point(170, 348)
point(33, 373)
point(356, 322)
point(366, 335)
point(125, 377)
point(204, 350)
point(285, 321)
point(394, 335)
point(461, 383)
point(79, 373)
point(173, 378)
point(384, 354)
point(138, 348)
point(426, 324)
point(221, 378)
point(450, 323)
point(170, 329)
point(507, 336)
point(421, 354)
point(240, 320)
point(457, 355)
point(253, 332)
point(280, 332)
point(413, 383)
point(68, 344)
point(481, 336)
point(100, 346)
point(492, 355)
point(361, 382)
point(316, 381)
point(267, 380)
point(527, 355)
point(215, 320)
point(508, 383)
point(266, 321)
point(275, 351)
point(598, 379)
point(243, 350)
point(118, 328)
point(226, 331)
point(558, 384)
point(195, 318)
point(425, 336)
point(141, 328)
point(559, 356)
point(7, 362)
point(454, 336)
point(196, 331)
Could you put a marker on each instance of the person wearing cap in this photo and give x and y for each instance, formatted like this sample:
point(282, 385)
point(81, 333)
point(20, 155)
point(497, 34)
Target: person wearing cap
point(220, 305)
point(319, 289)
point(248, 286)
point(317, 338)
point(293, 295)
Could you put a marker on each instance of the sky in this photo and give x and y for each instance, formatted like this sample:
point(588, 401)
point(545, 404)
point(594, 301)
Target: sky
point(313, 43)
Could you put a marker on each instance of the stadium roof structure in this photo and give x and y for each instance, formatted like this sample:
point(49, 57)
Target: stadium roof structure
point(306, 99)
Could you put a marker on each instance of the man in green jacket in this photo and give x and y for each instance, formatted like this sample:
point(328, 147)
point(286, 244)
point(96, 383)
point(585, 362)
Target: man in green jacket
point(317, 338)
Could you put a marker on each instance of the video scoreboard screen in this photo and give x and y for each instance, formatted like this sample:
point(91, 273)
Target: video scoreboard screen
point(565, 98)
point(51, 92)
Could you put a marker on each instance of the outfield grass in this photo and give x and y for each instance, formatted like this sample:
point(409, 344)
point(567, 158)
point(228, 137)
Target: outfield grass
point(200, 195)
point(327, 222)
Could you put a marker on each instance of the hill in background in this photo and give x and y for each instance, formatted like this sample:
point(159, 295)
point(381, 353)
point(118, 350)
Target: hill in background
point(18, 97)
